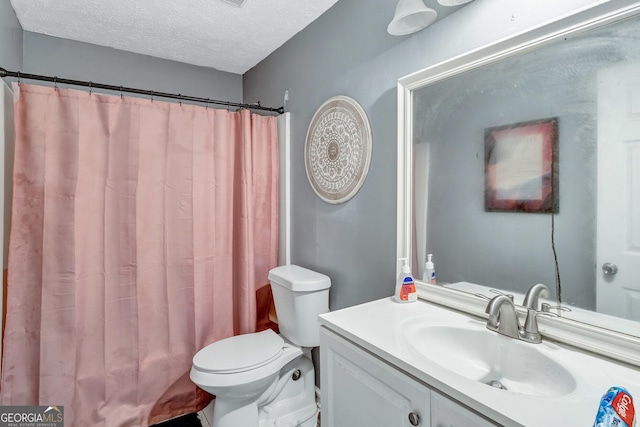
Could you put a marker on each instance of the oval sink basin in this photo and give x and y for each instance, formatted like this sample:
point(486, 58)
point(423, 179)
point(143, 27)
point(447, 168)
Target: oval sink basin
point(478, 354)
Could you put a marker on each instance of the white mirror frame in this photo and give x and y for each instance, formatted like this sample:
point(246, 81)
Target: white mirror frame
point(605, 342)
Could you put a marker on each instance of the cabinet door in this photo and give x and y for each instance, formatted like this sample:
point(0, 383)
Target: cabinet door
point(447, 413)
point(360, 390)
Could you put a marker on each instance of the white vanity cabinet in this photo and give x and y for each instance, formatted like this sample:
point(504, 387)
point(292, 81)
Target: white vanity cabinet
point(381, 361)
point(359, 389)
point(447, 413)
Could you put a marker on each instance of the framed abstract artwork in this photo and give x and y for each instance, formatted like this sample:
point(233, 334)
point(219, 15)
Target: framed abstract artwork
point(521, 167)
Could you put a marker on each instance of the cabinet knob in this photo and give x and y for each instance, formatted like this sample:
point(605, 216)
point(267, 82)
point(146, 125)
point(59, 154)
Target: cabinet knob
point(414, 419)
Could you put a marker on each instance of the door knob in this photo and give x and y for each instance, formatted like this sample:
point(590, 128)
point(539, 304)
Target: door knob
point(609, 269)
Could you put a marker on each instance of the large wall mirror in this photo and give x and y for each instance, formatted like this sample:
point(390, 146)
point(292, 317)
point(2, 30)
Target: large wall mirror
point(520, 164)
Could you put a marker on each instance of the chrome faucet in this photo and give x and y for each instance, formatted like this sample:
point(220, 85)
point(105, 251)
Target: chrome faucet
point(503, 319)
point(532, 298)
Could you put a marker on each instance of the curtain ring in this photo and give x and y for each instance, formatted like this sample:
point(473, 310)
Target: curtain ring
point(228, 106)
point(19, 78)
point(55, 83)
point(152, 94)
point(180, 99)
point(206, 106)
point(121, 95)
point(90, 88)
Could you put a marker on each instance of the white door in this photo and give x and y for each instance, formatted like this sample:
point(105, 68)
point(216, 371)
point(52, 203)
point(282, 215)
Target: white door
point(618, 197)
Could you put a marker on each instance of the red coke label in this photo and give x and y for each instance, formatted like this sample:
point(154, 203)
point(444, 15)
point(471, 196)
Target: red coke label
point(623, 405)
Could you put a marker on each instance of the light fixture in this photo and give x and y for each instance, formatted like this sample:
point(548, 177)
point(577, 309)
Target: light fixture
point(411, 16)
point(453, 2)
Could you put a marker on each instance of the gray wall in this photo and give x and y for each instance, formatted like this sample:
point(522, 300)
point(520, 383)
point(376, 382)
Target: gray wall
point(53, 56)
point(10, 38)
point(354, 242)
point(348, 52)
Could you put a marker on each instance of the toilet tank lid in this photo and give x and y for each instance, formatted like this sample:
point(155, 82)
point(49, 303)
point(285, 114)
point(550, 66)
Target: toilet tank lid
point(299, 279)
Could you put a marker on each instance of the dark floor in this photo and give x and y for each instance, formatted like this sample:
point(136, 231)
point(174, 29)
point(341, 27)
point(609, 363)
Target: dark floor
point(188, 420)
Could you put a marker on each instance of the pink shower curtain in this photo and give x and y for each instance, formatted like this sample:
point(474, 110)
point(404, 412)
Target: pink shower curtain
point(140, 233)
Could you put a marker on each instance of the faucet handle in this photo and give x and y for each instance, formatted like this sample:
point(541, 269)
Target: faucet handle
point(530, 331)
point(546, 309)
point(530, 323)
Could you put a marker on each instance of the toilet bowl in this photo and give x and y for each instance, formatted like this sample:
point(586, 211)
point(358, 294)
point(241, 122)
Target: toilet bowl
point(264, 379)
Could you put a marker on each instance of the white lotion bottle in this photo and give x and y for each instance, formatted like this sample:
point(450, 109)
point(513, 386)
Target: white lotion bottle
point(429, 275)
point(405, 286)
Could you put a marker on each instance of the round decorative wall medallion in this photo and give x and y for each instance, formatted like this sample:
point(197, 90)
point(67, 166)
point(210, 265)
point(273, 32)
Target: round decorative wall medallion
point(337, 152)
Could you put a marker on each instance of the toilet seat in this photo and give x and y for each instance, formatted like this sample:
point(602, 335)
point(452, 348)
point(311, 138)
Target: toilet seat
point(224, 379)
point(240, 353)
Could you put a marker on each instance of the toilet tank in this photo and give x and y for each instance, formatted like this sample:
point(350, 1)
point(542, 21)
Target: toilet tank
point(300, 296)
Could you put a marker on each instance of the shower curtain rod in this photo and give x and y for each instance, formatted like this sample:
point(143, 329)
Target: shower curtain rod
point(5, 73)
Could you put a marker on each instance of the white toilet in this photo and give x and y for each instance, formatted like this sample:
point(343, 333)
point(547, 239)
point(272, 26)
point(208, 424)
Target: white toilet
point(265, 379)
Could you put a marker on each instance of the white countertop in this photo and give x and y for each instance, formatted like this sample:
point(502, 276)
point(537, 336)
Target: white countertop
point(375, 326)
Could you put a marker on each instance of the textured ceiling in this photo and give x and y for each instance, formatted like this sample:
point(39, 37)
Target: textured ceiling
point(210, 33)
